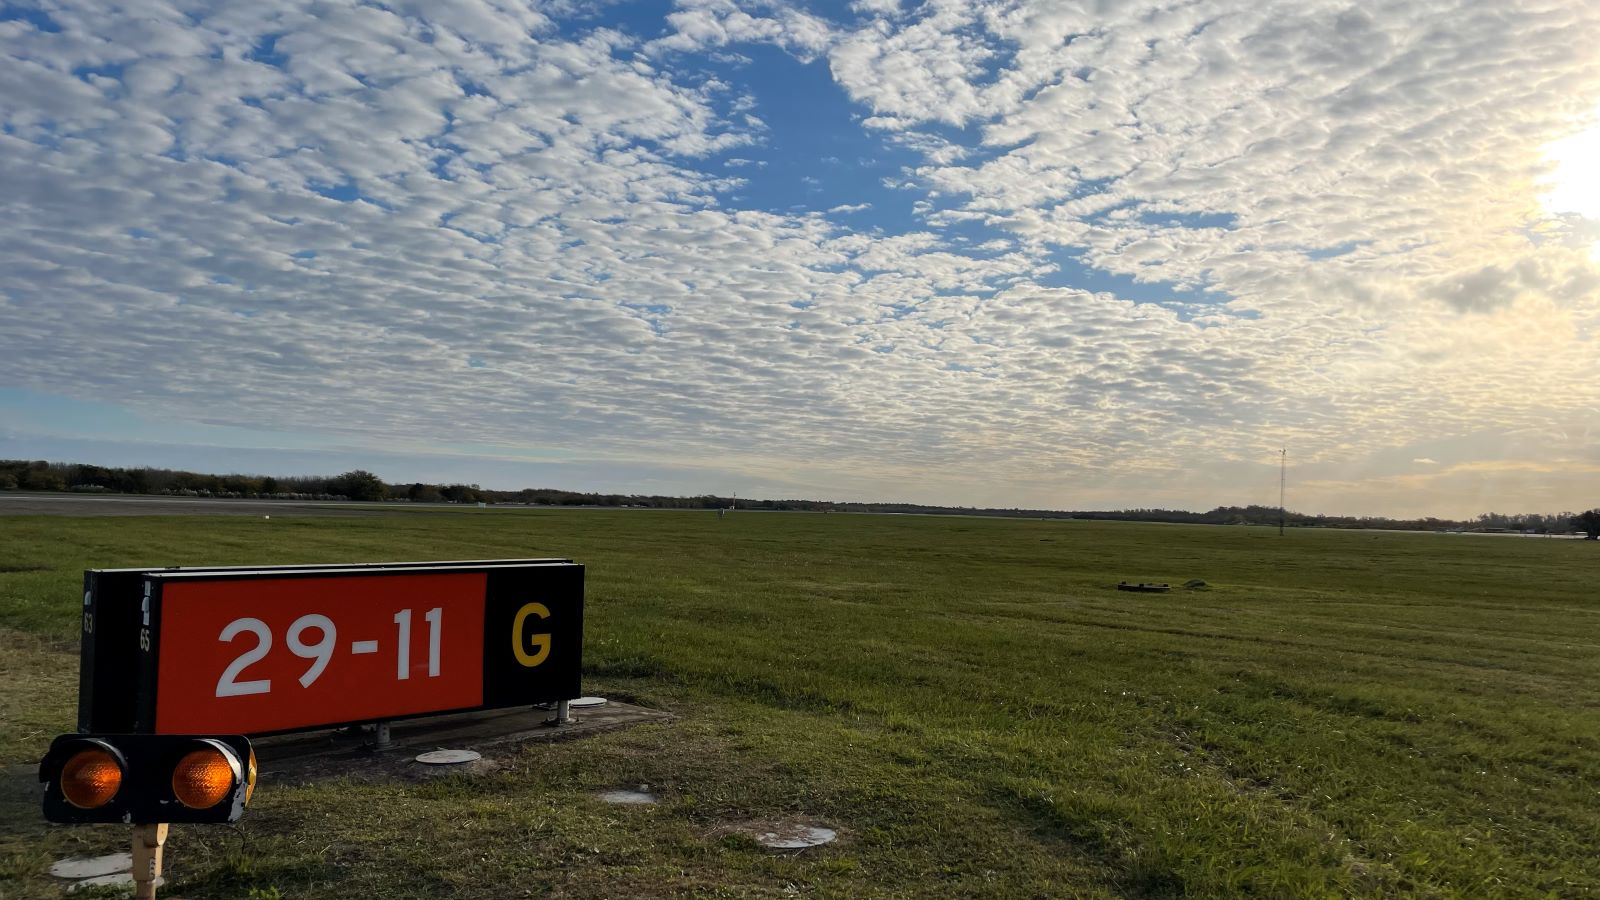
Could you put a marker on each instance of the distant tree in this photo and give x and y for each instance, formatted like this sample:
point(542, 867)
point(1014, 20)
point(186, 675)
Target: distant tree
point(130, 481)
point(1588, 523)
point(423, 493)
point(269, 485)
point(157, 481)
point(95, 475)
point(8, 481)
point(359, 484)
point(39, 478)
point(194, 481)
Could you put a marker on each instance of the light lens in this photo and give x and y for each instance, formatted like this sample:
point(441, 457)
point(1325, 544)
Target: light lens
point(203, 778)
point(90, 779)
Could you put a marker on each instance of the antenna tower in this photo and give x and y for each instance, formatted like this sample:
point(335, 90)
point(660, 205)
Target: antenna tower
point(1283, 475)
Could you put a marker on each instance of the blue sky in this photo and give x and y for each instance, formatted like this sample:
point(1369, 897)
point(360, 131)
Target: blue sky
point(1031, 254)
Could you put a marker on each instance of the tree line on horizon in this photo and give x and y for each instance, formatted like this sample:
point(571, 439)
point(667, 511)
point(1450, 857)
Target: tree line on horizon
point(361, 485)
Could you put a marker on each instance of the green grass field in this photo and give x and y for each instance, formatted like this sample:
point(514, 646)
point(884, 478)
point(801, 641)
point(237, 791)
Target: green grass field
point(968, 701)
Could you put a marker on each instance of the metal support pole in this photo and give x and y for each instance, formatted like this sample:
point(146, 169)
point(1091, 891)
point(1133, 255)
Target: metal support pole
point(147, 843)
point(562, 716)
point(383, 741)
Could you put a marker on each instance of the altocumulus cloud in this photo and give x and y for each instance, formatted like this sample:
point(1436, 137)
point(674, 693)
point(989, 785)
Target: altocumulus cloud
point(1134, 237)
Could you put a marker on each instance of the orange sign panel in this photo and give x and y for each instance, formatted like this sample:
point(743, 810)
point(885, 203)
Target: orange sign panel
point(275, 655)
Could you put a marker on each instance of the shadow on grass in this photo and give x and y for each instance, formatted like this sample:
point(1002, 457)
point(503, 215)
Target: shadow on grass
point(628, 667)
point(242, 875)
point(1085, 825)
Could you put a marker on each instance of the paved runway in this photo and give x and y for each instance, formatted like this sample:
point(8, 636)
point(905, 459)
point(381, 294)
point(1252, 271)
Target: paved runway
point(15, 503)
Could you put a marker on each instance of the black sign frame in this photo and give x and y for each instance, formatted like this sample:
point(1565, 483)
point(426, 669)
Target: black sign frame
point(108, 647)
point(121, 686)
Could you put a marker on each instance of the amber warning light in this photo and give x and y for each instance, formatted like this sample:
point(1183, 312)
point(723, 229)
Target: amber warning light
point(147, 778)
point(92, 776)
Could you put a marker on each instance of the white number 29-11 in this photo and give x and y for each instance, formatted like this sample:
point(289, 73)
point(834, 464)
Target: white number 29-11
point(320, 652)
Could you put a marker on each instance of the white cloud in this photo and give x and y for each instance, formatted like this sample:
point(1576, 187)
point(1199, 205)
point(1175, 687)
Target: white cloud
point(707, 24)
point(310, 217)
point(879, 7)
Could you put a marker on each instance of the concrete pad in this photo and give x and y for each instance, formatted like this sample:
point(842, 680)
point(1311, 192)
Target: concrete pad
point(448, 757)
point(627, 797)
point(110, 880)
point(92, 866)
point(795, 837)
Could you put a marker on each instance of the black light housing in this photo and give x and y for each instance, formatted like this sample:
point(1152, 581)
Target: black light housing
point(147, 778)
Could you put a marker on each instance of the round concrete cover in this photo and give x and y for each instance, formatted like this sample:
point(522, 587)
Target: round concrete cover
point(627, 798)
point(449, 757)
point(795, 837)
point(106, 880)
point(92, 866)
point(587, 702)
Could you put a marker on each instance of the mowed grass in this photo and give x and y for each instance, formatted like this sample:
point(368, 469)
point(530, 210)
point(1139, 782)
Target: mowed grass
point(970, 702)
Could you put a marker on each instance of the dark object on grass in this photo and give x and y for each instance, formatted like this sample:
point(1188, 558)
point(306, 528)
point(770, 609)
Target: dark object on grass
point(1195, 584)
point(1146, 587)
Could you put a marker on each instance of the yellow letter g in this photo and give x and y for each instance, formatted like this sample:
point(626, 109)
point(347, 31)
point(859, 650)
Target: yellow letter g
point(540, 642)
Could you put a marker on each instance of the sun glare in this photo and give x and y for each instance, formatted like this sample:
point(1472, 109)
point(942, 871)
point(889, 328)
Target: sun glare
point(1575, 184)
